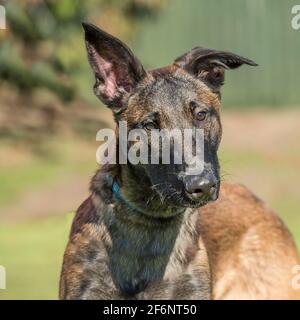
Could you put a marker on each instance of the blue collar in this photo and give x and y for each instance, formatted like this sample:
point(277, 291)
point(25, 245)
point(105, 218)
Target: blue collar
point(117, 194)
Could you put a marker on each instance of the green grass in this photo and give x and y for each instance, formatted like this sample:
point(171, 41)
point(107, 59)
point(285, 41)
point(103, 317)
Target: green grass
point(32, 251)
point(32, 254)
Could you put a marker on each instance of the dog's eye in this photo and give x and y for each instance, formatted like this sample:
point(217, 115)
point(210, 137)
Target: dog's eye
point(201, 115)
point(150, 125)
point(198, 111)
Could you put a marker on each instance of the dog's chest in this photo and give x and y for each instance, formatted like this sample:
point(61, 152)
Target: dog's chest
point(159, 264)
point(157, 277)
point(113, 260)
point(138, 258)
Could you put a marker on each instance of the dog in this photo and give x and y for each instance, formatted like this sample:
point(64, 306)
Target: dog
point(147, 231)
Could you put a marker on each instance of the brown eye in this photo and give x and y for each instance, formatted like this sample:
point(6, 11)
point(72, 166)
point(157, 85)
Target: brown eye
point(201, 115)
point(150, 125)
point(198, 111)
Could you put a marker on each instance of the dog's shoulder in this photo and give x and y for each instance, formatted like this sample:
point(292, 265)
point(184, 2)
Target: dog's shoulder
point(85, 255)
point(238, 211)
point(88, 215)
point(243, 236)
point(238, 208)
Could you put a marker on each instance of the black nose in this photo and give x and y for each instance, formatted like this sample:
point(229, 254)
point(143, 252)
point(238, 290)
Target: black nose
point(197, 188)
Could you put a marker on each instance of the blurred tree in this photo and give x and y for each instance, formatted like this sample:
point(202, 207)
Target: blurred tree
point(43, 46)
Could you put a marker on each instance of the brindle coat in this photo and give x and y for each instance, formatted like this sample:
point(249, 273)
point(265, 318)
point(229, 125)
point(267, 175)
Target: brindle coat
point(232, 248)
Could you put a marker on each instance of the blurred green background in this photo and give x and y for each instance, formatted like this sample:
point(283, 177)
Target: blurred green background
point(49, 116)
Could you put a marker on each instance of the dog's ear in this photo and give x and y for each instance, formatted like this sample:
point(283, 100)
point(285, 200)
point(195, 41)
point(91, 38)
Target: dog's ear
point(209, 65)
point(117, 70)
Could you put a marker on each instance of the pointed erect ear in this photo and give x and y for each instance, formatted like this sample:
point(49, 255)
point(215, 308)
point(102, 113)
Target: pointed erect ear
point(209, 65)
point(117, 70)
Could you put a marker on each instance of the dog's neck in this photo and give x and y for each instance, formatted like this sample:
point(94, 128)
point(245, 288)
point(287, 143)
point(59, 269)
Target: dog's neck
point(138, 192)
point(143, 245)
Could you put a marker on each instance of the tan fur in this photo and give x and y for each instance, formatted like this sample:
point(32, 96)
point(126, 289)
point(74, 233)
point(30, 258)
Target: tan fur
point(246, 240)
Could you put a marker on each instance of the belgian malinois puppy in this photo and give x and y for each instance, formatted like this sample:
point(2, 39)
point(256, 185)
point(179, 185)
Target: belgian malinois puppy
point(148, 231)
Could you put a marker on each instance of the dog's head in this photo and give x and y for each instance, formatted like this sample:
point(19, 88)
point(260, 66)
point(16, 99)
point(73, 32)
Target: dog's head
point(184, 95)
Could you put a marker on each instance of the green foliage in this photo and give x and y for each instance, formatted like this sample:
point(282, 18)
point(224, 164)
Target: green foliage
point(44, 47)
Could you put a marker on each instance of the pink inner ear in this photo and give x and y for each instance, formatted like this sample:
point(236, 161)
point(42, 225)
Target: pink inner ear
point(110, 87)
point(105, 69)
